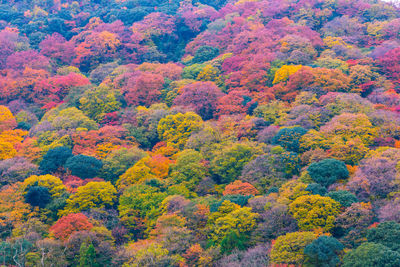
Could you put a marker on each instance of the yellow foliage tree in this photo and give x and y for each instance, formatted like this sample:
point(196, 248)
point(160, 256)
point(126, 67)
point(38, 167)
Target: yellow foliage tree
point(289, 248)
point(7, 120)
point(54, 184)
point(91, 195)
point(176, 129)
point(315, 212)
point(284, 72)
point(7, 150)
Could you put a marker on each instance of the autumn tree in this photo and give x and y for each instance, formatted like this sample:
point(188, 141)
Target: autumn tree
point(315, 211)
point(91, 195)
point(201, 96)
point(228, 162)
point(176, 129)
point(69, 224)
point(289, 248)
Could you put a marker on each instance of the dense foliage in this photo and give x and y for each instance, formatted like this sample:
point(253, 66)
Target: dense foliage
point(199, 133)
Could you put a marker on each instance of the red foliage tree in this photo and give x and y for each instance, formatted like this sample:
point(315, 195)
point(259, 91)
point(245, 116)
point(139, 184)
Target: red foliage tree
point(201, 96)
point(143, 88)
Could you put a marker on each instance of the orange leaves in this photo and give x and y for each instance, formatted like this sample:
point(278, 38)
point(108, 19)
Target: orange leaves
point(69, 224)
point(240, 188)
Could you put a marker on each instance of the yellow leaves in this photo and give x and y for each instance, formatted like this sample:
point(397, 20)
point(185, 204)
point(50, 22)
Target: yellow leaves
point(102, 150)
point(289, 248)
point(176, 129)
point(136, 174)
point(13, 208)
point(91, 195)
point(7, 120)
point(54, 184)
point(284, 72)
point(231, 217)
point(330, 42)
point(291, 190)
point(314, 211)
point(375, 29)
point(245, 1)
point(7, 150)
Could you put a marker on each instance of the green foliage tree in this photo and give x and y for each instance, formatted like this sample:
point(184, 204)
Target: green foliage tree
point(87, 256)
point(83, 166)
point(96, 102)
point(189, 169)
point(227, 163)
point(387, 234)
point(54, 159)
point(289, 138)
point(345, 198)
point(371, 255)
point(323, 251)
point(328, 171)
point(38, 196)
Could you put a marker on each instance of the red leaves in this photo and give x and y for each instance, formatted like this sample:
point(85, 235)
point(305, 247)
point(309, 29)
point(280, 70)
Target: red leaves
point(143, 88)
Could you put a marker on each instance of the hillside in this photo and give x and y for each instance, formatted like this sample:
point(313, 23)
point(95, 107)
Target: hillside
point(233, 133)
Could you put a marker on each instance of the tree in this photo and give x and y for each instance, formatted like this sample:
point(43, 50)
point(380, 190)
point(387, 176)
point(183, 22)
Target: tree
point(38, 196)
point(7, 119)
point(387, 234)
point(69, 118)
point(205, 53)
point(240, 188)
point(87, 256)
point(7, 150)
point(231, 217)
point(327, 171)
point(289, 138)
point(323, 251)
point(16, 169)
point(233, 240)
point(314, 211)
point(189, 168)
point(227, 163)
point(91, 195)
point(54, 159)
point(143, 88)
point(345, 198)
point(282, 74)
point(371, 255)
point(139, 203)
point(83, 166)
point(176, 129)
point(69, 224)
point(52, 183)
point(119, 161)
point(97, 102)
point(201, 96)
point(289, 248)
